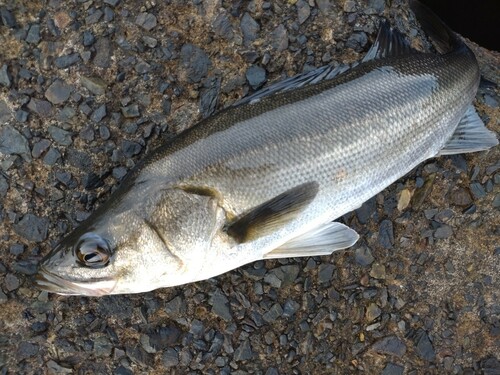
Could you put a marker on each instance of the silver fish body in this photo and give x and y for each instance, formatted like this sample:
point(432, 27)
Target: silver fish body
point(332, 144)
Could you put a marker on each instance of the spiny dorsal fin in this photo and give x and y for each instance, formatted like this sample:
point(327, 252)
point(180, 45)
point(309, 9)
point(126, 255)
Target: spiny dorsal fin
point(389, 43)
point(470, 135)
point(323, 240)
point(273, 214)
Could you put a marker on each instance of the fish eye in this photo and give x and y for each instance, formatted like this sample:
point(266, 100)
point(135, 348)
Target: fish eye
point(92, 251)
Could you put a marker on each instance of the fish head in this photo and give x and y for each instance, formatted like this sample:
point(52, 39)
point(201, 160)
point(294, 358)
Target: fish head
point(136, 250)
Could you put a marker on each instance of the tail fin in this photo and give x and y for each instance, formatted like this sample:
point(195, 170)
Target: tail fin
point(443, 38)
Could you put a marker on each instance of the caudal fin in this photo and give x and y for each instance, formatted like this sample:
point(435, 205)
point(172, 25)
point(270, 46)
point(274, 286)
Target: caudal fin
point(442, 37)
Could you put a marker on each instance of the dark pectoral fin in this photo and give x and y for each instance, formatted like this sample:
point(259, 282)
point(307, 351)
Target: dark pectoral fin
point(273, 214)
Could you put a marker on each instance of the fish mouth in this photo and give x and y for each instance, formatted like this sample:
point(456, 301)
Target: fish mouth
point(56, 284)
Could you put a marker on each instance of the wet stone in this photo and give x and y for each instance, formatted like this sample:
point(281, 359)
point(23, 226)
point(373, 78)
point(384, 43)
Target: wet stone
point(243, 352)
point(88, 38)
point(279, 38)
point(139, 356)
point(130, 148)
point(21, 115)
point(423, 346)
point(496, 201)
point(32, 228)
point(390, 345)
point(33, 36)
point(7, 18)
point(63, 62)
point(176, 306)
point(325, 272)
point(60, 136)
point(220, 305)
point(121, 370)
point(26, 350)
point(256, 76)
point(386, 234)
point(195, 61)
point(94, 17)
point(94, 84)
point(131, 111)
point(13, 143)
point(164, 337)
point(357, 41)
point(222, 26)
point(274, 313)
point(11, 282)
point(58, 92)
point(170, 358)
point(303, 11)
point(290, 308)
point(102, 346)
point(26, 267)
point(99, 113)
point(363, 256)
point(461, 197)
point(104, 51)
point(443, 231)
point(40, 147)
point(477, 190)
point(4, 186)
point(392, 369)
point(52, 156)
point(16, 249)
point(146, 20)
point(5, 79)
point(42, 108)
point(249, 28)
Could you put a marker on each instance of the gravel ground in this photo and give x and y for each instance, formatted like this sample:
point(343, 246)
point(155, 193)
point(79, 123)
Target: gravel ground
point(88, 87)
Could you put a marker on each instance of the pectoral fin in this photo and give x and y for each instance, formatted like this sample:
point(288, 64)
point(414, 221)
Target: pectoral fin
point(321, 241)
point(470, 136)
point(273, 214)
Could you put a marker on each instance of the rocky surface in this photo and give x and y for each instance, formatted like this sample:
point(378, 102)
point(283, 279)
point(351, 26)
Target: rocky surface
point(87, 88)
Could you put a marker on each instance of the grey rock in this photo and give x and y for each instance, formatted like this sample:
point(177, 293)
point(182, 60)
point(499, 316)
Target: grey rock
point(13, 143)
point(444, 231)
point(220, 305)
point(366, 211)
point(26, 350)
point(273, 313)
point(21, 115)
point(104, 132)
point(149, 41)
point(33, 36)
point(256, 76)
point(32, 228)
point(461, 197)
point(4, 186)
point(5, 112)
point(163, 337)
point(249, 27)
point(146, 20)
point(11, 282)
point(87, 133)
point(349, 6)
point(386, 234)
point(496, 201)
point(42, 108)
point(222, 26)
point(131, 111)
point(130, 148)
point(102, 346)
point(139, 356)
point(363, 256)
point(52, 156)
point(195, 61)
point(325, 272)
point(176, 307)
point(142, 67)
point(92, 181)
point(121, 370)
point(290, 308)
point(372, 312)
point(209, 96)
point(243, 352)
point(60, 136)
point(63, 62)
point(58, 92)
point(94, 17)
point(477, 190)
point(324, 5)
point(357, 41)
point(490, 101)
point(423, 346)
point(377, 5)
point(16, 249)
point(170, 358)
point(303, 11)
point(5, 79)
point(104, 51)
point(490, 366)
point(26, 267)
point(54, 368)
point(7, 18)
point(88, 38)
point(390, 345)
point(119, 172)
point(279, 38)
point(392, 369)
point(99, 113)
point(94, 84)
point(113, 3)
point(3, 298)
point(40, 147)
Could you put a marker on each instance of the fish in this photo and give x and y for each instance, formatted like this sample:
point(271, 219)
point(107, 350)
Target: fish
point(267, 177)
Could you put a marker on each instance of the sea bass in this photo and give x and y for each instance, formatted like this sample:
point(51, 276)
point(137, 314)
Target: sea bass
point(266, 178)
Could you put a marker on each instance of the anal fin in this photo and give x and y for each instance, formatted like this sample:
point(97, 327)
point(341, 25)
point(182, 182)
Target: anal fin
point(470, 135)
point(273, 214)
point(321, 241)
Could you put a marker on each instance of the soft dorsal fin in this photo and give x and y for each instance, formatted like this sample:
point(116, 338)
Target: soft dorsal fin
point(389, 43)
point(273, 214)
point(323, 240)
point(470, 135)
